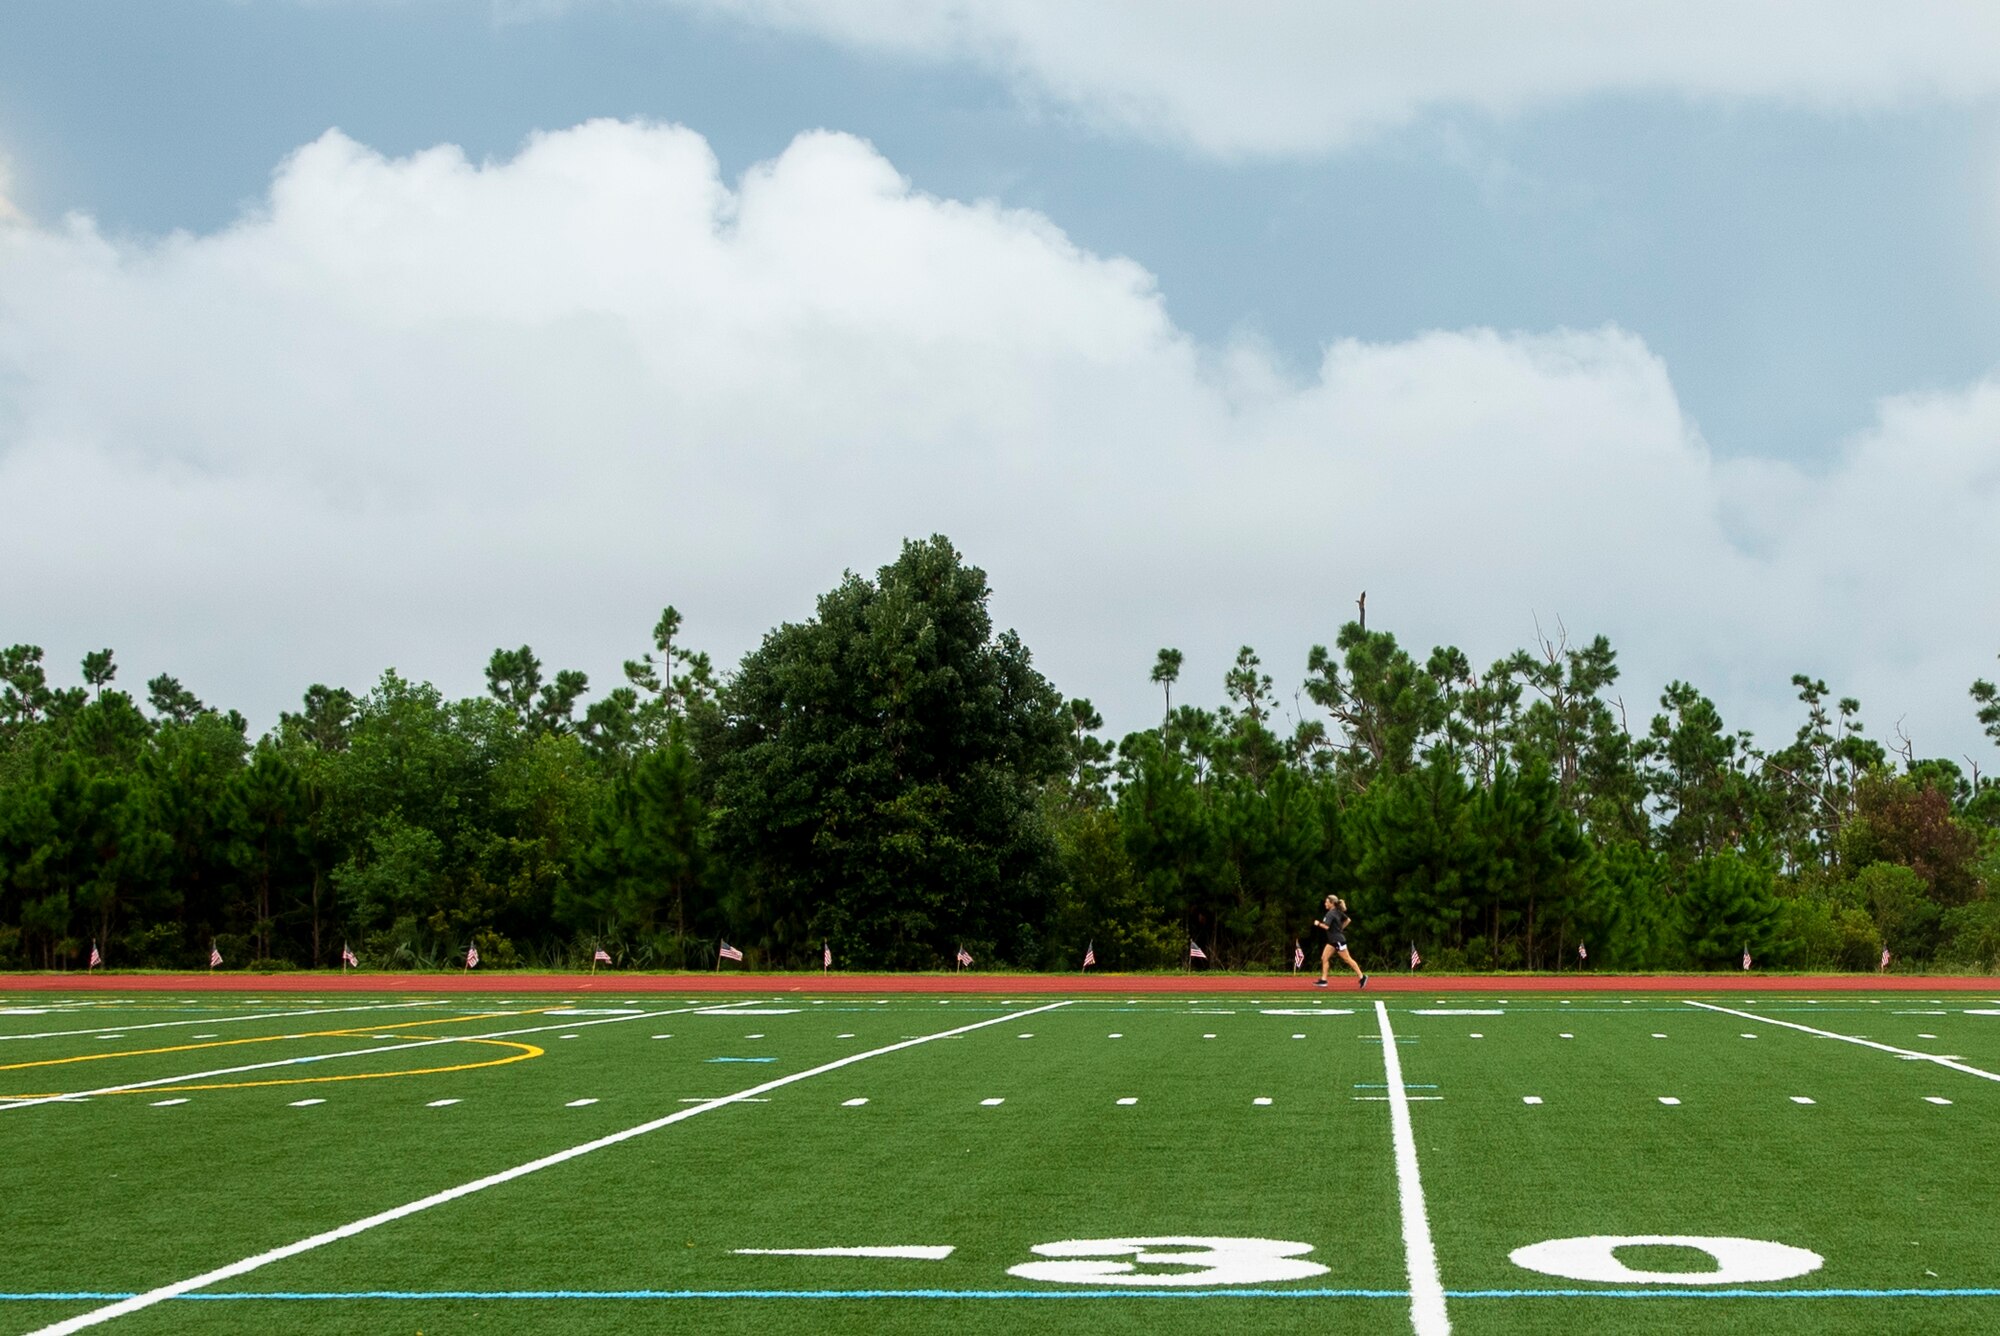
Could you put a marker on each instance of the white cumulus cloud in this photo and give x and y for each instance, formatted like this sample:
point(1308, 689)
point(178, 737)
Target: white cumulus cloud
point(1303, 76)
point(407, 410)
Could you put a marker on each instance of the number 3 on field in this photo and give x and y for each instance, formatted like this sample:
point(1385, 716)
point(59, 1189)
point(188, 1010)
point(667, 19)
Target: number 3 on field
point(1215, 1261)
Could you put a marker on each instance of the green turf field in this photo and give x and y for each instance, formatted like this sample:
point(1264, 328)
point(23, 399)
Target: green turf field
point(1019, 1149)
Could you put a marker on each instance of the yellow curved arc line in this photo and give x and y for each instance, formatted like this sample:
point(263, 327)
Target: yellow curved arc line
point(527, 1051)
point(252, 1039)
point(439, 1020)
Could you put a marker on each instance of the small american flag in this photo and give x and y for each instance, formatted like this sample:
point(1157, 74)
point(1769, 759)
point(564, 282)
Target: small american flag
point(602, 957)
point(214, 955)
point(472, 957)
point(1195, 952)
point(826, 955)
point(1298, 954)
point(347, 957)
point(1090, 955)
point(95, 958)
point(1746, 957)
point(731, 953)
point(964, 957)
point(1885, 958)
point(1582, 952)
point(1415, 959)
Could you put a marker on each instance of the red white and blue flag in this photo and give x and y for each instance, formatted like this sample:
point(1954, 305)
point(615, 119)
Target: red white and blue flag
point(826, 955)
point(214, 955)
point(1746, 957)
point(1195, 952)
point(1298, 954)
point(95, 958)
point(1885, 958)
point(964, 957)
point(1415, 959)
point(1581, 952)
point(347, 957)
point(601, 957)
point(729, 952)
point(1090, 955)
point(472, 957)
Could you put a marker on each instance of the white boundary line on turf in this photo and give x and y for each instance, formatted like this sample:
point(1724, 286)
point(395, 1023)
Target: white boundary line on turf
point(1909, 1053)
point(70, 1096)
point(218, 1020)
point(1427, 1313)
point(142, 1301)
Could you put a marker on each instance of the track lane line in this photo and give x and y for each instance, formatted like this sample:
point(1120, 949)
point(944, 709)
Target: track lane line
point(1909, 1053)
point(1427, 1310)
point(137, 1303)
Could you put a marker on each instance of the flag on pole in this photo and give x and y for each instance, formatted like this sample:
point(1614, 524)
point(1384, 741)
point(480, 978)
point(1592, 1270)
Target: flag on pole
point(1298, 954)
point(1581, 952)
point(1746, 956)
point(729, 952)
point(601, 957)
point(347, 957)
point(1885, 959)
point(1195, 952)
point(472, 957)
point(214, 955)
point(1090, 955)
point(964, 957)
point(826, 955)
point(1415, 959)
point(95, 958)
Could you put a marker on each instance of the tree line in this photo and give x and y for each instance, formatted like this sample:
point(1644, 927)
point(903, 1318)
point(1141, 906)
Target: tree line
point(894, 780)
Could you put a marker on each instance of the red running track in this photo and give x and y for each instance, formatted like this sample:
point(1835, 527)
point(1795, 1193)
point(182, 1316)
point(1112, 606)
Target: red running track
point(466, 981)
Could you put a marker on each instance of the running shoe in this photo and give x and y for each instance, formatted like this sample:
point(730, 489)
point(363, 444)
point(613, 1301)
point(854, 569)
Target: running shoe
point(1319, 983)
point(1363, 983)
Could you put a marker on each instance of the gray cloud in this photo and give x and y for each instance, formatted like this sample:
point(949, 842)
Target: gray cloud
point(1305, 76)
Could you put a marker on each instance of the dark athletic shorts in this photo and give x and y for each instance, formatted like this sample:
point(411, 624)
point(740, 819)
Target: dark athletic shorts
point(1339, 944)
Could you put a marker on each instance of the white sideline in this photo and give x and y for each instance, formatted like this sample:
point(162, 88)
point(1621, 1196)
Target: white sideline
point(139, 1302)
point(72, 1095)
point(1910, 1053)
point(217, 1020)
point(1427, 1315)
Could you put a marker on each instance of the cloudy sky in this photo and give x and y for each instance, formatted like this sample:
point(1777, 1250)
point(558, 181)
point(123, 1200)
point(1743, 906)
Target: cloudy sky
point(357, 333)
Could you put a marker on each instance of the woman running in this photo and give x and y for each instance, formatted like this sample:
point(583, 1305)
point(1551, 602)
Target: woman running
point(1333, 924)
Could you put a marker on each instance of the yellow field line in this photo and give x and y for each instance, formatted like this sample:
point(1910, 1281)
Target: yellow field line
point(259, 1039)
point(527, 1051)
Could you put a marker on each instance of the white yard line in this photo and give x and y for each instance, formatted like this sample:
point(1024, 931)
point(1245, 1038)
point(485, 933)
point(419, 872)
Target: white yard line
point(1908, 1053)
point(404, 1047)
point(1427, 1315)
point(139, 1302)
point(216, 1020)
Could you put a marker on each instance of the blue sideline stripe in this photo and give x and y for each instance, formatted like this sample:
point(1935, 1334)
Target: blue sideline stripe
point(1662, 1292)
point(742, 1059)
point(1705, 1292)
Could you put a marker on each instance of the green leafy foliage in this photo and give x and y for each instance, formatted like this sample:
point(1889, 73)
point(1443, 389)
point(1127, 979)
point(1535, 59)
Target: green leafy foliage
point(1728, 905)
point(895, 778)
point(878, 772)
